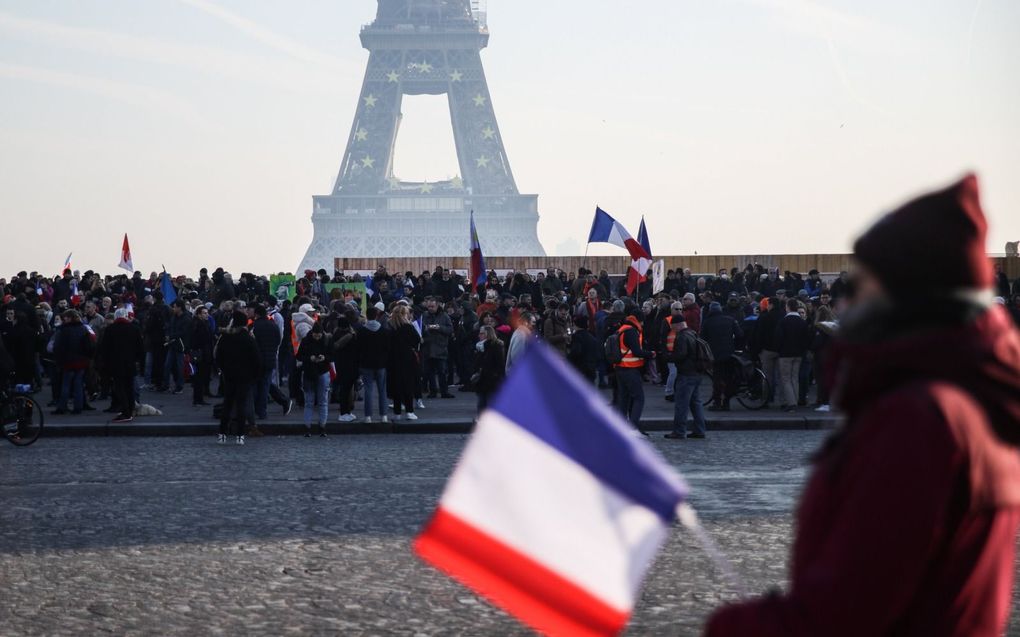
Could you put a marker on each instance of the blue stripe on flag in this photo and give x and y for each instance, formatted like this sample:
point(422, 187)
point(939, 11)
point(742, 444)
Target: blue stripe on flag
point(543, 396)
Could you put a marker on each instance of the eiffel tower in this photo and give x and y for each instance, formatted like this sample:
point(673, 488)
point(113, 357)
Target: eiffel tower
point(421, 47)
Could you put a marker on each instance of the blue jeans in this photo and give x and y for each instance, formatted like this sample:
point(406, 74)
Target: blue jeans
point(687, 399)
point(174, 366)
point(72, 386)
point(374, 380)
point(316, 398)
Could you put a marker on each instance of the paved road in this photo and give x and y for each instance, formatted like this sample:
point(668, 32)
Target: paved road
point(180, 416)
point(311, 536)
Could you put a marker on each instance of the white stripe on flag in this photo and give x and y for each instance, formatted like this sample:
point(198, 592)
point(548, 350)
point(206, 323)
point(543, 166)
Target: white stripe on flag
point(515, 488)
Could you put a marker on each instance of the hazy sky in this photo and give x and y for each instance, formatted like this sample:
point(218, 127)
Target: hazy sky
point(203, 127)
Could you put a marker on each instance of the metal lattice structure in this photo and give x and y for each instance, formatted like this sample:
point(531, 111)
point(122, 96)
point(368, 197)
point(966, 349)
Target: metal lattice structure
point(421, 47)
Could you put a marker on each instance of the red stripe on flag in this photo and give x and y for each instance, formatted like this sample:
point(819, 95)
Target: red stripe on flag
point(518, 584)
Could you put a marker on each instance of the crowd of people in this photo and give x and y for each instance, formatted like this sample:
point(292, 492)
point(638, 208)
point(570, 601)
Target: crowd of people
point(91, 338)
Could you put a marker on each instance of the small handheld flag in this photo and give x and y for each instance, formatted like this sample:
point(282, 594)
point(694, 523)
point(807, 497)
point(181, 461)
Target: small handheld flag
point(125, 256)
point(67, 262)
point(477, 274)
point(551, 478)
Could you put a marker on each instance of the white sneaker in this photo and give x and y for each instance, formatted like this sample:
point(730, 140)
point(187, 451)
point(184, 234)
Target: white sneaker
point(221, 439)
point(384, 419)
point(240, 440)
point(368, 420)
point(346, 418)
point(420, 404)
point(410, 416)
point(823, 408)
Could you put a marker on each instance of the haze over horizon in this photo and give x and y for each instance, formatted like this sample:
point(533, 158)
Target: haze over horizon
point(203, 128)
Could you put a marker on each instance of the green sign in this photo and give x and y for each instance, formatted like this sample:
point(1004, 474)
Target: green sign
point(348, 291)
point(283, 286)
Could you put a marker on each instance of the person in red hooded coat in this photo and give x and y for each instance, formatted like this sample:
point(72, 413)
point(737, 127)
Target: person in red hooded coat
point(908, 523)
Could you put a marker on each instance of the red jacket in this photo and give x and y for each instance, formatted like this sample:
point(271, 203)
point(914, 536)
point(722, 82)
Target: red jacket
point(908, 524)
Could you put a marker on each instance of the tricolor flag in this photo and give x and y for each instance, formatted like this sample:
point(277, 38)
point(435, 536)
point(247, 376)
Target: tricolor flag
point(605, 229)
point(125, 256)
point(555, 510)
point(477, 273)
point(67, 262)
point(638, 272)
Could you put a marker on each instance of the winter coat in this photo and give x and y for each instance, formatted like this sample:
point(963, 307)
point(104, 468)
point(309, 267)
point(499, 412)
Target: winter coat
point(302, 324)
point(435, 343)
point(692, 316)
point(122, 349)
point(267, 338)
point(237, 356)
point(201, 340)
point(373, 345)
point(584, 353)
point(555, 333)
point(310, 346)
point(73, 347)
point(490, 366)
point(402, 368)
point(908, 523)
point(793, 336)
point(721, 333)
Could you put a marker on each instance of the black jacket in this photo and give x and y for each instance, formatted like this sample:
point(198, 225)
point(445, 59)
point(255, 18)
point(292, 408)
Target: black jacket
point(721, 332)
point(122, 348)
point(311, 347)
point(374, 345)
point(765, 332)
point(237, 356)
point(267, 338)
point(491, 366)
point(685, 353)
point(201, 340)
point(793, 336)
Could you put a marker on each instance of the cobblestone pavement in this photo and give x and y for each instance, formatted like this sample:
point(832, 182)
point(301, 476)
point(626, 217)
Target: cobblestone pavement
point(311, 536)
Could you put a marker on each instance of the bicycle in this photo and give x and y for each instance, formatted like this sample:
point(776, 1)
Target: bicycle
point(751, 386)
point(20, 415)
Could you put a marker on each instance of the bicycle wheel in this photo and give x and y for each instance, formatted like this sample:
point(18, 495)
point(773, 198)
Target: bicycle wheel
point(23, 421)
point(754, 394)
point(708, 401)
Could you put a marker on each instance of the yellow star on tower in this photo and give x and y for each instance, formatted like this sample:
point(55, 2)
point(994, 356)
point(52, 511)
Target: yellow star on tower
point(361, 135)
point(456, 75)
point(483, 161)
point(370, 100)
point(392, 76)
point(426, 188)
point(488, 132)
point(457, 183)
point(424, 67)
point(367, 161)
point(479, 100)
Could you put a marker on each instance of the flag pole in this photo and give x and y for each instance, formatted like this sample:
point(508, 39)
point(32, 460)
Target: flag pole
point(689, 519)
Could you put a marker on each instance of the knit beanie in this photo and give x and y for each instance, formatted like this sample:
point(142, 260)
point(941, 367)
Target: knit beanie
point(931, 244)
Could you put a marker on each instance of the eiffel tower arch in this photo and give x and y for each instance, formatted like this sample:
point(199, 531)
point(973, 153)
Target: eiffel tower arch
point(419, 47)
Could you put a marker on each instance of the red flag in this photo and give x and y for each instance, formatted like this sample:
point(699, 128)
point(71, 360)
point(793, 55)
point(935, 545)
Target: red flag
point(125, 256)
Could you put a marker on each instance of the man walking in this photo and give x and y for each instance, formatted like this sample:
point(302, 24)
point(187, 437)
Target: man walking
point(630, 392)
point(686, 395)
point(268, 338)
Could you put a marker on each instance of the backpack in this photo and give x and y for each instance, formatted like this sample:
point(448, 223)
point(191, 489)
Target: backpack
point(614, 354)
point(704, 361)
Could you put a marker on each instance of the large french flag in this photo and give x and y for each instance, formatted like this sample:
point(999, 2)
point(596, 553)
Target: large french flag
point(555, 510)
point(605, 229)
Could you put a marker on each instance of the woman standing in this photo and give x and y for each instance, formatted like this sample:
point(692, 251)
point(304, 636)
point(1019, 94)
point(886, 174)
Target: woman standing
point(315, 368)
point(402, 376)
point(490, 365)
